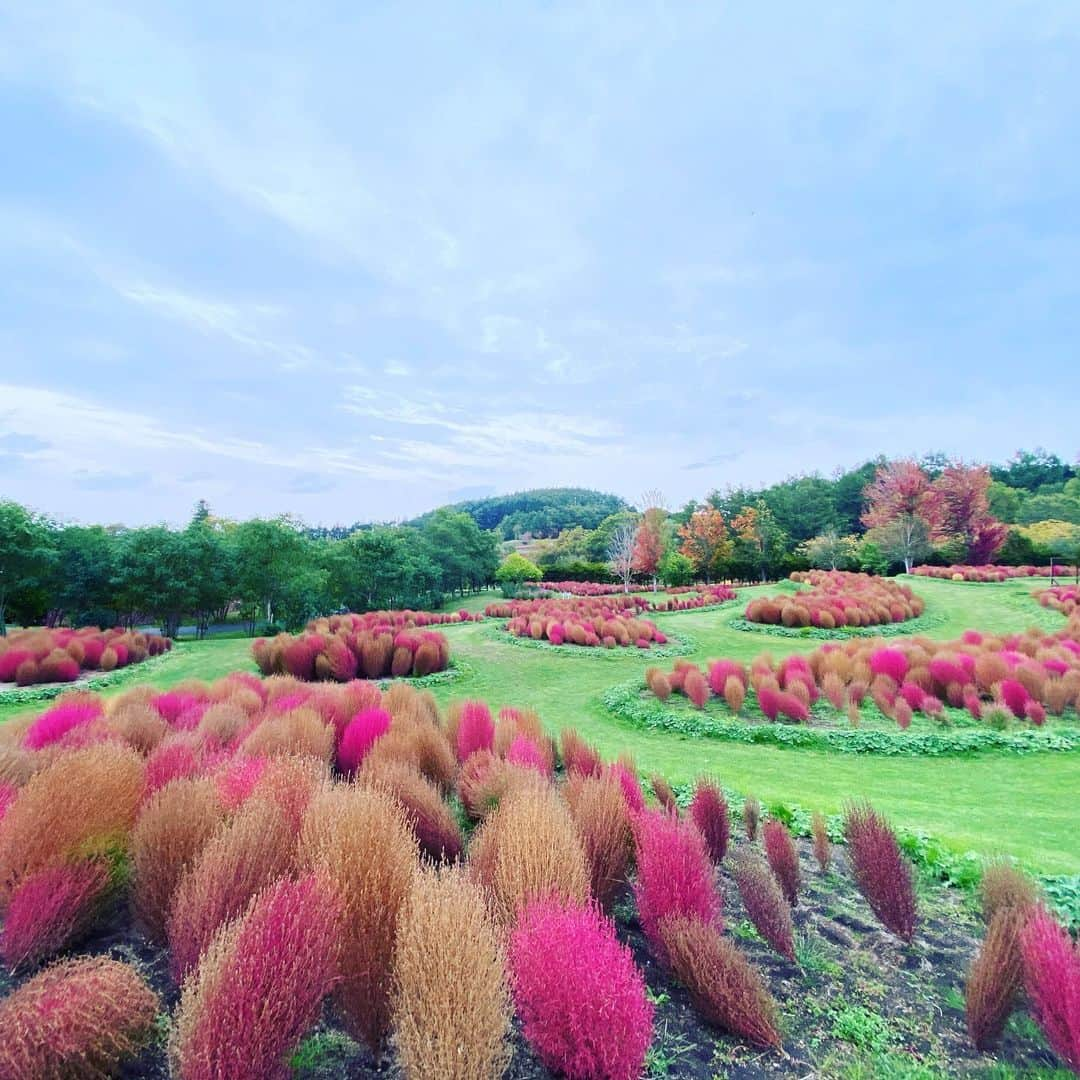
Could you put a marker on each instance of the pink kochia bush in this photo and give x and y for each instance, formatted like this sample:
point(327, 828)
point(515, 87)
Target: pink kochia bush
point(837, 598)
point(53, 724)
point(709, 812)
point(882, 874)
point(50, 908)
point(674, 876)
point(592, 622)
point(360, 735)
point(1052, 976)
point(476, 729)
point(581, 999)
point(259, 987)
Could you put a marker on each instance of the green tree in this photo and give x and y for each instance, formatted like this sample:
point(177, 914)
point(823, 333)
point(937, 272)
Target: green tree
point(154, 577)
point(676, 568)
point(82, 579)
point(276, 575)
point(466, 556)
point(27, 555)
point(516, 569)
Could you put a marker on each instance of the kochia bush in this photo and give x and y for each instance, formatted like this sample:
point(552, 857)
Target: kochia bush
point(882, 874)
point(581, 999)
point(1052, 977)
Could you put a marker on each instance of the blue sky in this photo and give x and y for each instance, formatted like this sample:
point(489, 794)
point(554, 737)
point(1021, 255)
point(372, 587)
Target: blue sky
point(353, 261)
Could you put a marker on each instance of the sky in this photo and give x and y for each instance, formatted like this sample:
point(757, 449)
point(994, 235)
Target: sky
point(353, 261)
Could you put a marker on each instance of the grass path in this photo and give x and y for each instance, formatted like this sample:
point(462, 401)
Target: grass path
point(1027, 806)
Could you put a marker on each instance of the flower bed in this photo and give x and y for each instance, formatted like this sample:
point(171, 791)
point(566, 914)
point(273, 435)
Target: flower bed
point(986, 574)
point(584, 622)
point(837, 598)
point(576, 588)
point(35, 656)
point(1062, 598)
point(378, 645)
point(698, 597)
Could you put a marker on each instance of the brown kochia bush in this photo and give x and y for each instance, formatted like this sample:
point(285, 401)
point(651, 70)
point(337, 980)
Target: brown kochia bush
point(996, 977)
point(764, 902)
point(83, 802)
point(603, 822)
point(783, 859)
point(724, 987)
point(822, 847)
point(359, 841)
point(1003, 886)
point(299, 732)
point(253, 850)
point(751, 817)
point(79, 1018)
point(451, 1006)
point(171, 831)
point(527, 849)
point(664, 795)
point(881, 873)
point(430, 818)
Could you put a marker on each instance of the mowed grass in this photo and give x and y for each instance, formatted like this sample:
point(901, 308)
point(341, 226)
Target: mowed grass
point(1024, 806)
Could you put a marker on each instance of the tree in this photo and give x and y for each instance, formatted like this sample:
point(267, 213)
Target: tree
point(705, 540)
point(27, 553)
point(965, 516)
point(465, 555)
point(830, 550)
point(621, 553)
point(81, 586)
point(274, 569)
point(154, 577)
point(516, 569)
point(676, 568)
point(1033, 470)
point(760, 539)
point(903, 510)
point(649, 538)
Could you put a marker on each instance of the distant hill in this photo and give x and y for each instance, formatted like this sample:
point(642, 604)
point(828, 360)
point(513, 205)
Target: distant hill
point(539, 512)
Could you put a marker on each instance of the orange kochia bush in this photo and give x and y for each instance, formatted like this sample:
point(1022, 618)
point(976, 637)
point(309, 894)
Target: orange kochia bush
point(40, 655)
point(838, 598)
point(378, 645)
point(590, 621)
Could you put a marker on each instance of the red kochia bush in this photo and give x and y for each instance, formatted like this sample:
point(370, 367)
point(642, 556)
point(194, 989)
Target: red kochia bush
point(81, 1017)
point(361, 734)
point(723, 985)
point(51, 726)
point(783, 858)
point(674, 876)
point(709, 812)
point(764, 902)
point(50, 908)
point(1052, 976)
point(476, 729)
point(996, 977)
point(882, 874)
point(581, 999)
point(259, 987)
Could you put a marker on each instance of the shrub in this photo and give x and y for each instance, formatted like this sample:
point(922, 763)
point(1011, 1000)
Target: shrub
point(363, 730)
point(581, 999)
point(80, 1017)
point(1004, 886)
point(996, 978)
point(528, 848)
point(451, 1006)
point(524, 752)
point(783, 859)
point(822, 846)
point(603, 822)
point(260, 985)
point(696, 688)
point(626, 773)
point(882, 874)
point(764, 902)
point(475, 731)
point(51, 726)
point(296, 732)
point(1052, 978)
point(255, 849)
point(430, 819)
point(709, 812)
point(724, 987)
point(170, 761)
point(577, 755)
point(674, 876)
point(664, 794)
point(86, 800)
point(360, 842)
point(51, 908)
point(751, 816)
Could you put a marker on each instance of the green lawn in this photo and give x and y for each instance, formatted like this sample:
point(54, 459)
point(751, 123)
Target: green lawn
point(1023, 806)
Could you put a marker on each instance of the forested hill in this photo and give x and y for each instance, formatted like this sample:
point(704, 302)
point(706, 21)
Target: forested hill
point(541, 511)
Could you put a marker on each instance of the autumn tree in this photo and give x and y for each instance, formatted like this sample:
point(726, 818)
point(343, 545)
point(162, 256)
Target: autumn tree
point(964, 499)
point(903, 511)
point(704, 540)
point(759, 537)
point(649, 539)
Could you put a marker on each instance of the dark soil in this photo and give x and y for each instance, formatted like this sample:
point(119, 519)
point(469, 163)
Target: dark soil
point(859, 1004)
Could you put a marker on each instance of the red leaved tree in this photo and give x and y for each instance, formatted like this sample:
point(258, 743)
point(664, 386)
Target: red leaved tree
point(963, 492)
point(705, 540)
point(903, 510)
point(649, 542)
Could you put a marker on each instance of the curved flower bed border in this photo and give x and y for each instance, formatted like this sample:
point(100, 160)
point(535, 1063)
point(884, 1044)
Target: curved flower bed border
point(625, 702)
point(678, 645)
point(30, 695)
point(908, 628)
point(454, 670)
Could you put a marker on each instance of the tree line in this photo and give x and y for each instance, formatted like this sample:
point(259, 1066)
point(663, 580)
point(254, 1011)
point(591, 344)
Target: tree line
point(266, 571)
